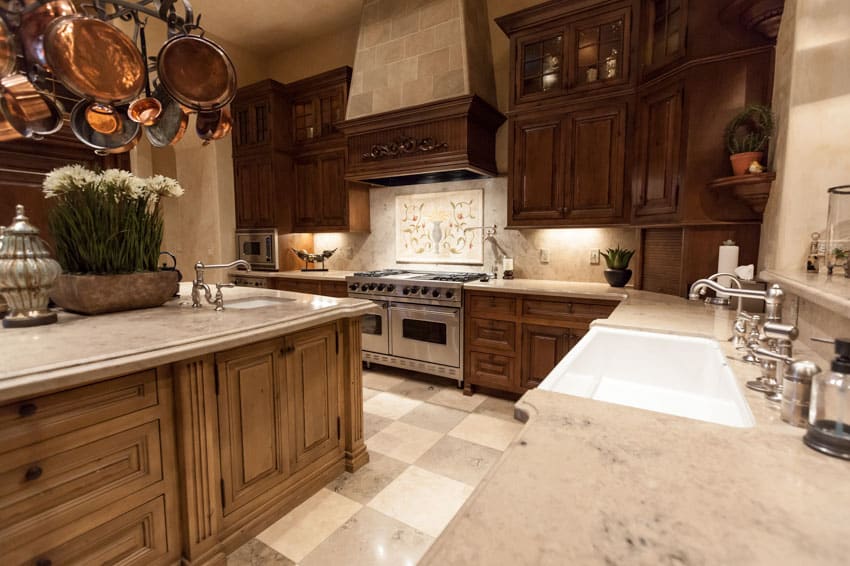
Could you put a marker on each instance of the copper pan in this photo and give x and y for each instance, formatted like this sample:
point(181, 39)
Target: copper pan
point(25, 108)
point(172, 123)
point(119, 142)
point(213, 125)
point(11, 131)
point(35, 19)
point(94, 59)
point(145, 110)
point(196, 72)
point(8, 51)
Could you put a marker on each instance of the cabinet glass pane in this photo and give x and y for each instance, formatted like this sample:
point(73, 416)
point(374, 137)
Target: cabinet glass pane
point(599, 52)
point(666, 40)
point(542, 65)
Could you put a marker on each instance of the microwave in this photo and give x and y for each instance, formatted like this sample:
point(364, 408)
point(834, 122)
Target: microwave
point(259, 248)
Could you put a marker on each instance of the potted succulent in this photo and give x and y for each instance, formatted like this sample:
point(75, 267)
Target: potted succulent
point(747, 136)
point(618, 272)
point(108, 231)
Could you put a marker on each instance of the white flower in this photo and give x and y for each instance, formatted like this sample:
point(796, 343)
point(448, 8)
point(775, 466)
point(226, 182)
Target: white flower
point(163, 186)
point(68, 178)
point(122, 183)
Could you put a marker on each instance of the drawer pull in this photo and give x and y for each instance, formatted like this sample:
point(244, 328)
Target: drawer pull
point(33, 473)
point(287, 350)
point(27, 409)
point(43, 562)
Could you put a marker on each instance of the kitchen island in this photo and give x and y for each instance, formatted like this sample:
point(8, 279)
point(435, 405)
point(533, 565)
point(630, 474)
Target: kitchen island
point(587, 482)
point(174, 434)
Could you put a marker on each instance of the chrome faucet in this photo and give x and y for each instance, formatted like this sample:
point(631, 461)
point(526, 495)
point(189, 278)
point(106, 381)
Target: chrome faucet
point(773, 298)
point(198, 284)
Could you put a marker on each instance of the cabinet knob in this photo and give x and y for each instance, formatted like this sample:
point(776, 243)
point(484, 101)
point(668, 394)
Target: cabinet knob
point(27, 409)
point(287, 350)
point(33, 473)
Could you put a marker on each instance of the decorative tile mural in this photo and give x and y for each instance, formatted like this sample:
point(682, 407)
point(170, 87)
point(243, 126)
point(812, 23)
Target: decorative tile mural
point(433, 227)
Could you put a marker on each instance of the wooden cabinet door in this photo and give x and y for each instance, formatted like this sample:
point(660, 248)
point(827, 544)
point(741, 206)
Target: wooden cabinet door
point(255, 198)
point(596, 156)
point(600, 53)
point(536, 182)
point(312, 370)
point(308, 197)
point(251, 124)
point(542, 349)
point(665, 32)
point(253, 421)
point(659, 149)
point(539, 67)
point(332, 190)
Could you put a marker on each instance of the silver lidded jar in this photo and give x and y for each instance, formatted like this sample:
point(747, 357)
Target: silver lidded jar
point(838, 230)
point(829, 411)
point(27, 272)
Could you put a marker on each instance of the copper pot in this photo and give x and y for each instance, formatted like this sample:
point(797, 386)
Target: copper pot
point(94, 59)
point(196, 72)
point(122, 140)
point(26, 110)
point(8, 51)
point(35, 19)
point(102, 118)
point(172, 123)
point(214, 125)
point(145, 111)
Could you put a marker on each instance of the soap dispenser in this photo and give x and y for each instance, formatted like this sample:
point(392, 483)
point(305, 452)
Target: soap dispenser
point(829, 411)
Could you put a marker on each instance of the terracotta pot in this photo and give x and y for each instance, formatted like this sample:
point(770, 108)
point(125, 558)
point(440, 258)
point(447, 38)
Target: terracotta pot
point(741, 161)
point(618, 277)
point(98, 294)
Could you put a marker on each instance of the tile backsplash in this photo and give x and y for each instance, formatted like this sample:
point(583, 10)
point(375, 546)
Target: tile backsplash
point(569, 249)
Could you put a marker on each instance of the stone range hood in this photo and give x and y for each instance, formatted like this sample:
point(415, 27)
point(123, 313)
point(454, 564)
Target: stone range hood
point(422, 103)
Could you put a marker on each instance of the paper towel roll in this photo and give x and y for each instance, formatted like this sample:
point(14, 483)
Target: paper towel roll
point(508, 264)
point(727, 261)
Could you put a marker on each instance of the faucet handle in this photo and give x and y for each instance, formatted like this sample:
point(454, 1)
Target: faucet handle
point(779, 331)
point(219, 286)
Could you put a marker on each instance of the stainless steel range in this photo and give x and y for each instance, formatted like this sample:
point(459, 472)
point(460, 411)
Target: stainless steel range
point(420, 326)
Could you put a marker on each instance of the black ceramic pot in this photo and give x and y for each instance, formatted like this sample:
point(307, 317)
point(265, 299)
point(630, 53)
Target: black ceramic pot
point(618, 277)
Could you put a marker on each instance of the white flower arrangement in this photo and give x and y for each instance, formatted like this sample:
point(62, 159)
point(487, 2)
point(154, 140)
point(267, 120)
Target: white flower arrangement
point(118, 182)
point(163, 186)
point(69, 178)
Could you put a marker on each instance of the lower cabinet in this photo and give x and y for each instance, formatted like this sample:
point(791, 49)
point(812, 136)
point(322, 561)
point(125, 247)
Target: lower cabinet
point(312, 286)
point(512, 342)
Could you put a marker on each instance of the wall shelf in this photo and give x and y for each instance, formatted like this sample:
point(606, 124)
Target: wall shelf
point(752, 188)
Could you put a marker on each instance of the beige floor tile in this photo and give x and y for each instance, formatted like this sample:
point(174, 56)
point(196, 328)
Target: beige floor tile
point(422, 499)
point(369, 393)
point(371, 538)
point(373, 424)
point(365, 484)
point(403, 441)
point(305, 527)
point(380, 380)
point(498, 408)
point(434, 417)
point(487, 431)
point(257, 553)
point(390, 405)
point(455, 399)
point(459, 459)
point(416, 389)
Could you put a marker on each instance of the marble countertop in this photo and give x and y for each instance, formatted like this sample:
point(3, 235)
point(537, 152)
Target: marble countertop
point(828, 291)
point(553, 288)
point(80, 349)
point(588, 482)
point(321, 275)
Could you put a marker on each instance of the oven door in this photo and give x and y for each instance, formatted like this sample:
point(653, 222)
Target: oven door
point(426, 333)
point(375, 330)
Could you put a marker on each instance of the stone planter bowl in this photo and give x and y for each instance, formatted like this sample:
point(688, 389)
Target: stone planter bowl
point(99, 294)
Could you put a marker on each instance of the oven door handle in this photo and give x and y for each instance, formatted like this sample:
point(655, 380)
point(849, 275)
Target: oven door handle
point(447, 314)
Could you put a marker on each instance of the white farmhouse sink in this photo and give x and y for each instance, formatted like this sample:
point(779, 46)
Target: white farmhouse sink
point(677, 375)
point(255, 302)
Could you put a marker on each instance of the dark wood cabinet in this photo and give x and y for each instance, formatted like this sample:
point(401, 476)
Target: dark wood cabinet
point(256, 179)
point(513, 341)
point(536, 176)
point(317, 286)
point(318, 104)
point(601, 54)
point(260, 118)
point(666, 25)
point(321, 192)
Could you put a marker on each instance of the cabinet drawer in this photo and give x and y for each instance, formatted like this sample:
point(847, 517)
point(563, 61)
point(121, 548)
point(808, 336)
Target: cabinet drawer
point(334, 289)
point(492, 304)
point(492, 370)
point(133, 538)
point(58, 481)
point(492, 334)
point(34, 420)
point(577, 311)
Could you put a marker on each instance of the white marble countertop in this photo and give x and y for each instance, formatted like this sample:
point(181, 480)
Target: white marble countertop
point(552, 288)
point(588, 482)
point(319, 275)
point(829, 291)
point(80, 349)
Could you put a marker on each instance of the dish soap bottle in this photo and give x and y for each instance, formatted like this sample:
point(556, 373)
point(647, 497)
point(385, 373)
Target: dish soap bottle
point(829, 412)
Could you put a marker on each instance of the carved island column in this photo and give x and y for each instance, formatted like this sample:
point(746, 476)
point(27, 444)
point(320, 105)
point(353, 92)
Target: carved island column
point(356, 455)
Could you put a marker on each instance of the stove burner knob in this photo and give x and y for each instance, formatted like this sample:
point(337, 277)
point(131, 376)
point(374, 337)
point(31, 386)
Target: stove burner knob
point(406, 291)
point(381, 286)
point(390, 288)
point(436, 293)
point(425, 290)
point(364, 287)
point(372, 286)
point(353, 286)
point(450, 294)
point(414, 290)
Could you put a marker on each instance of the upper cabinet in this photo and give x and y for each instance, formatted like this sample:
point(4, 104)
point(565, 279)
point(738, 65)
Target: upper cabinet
point(318, 104)
point(666, 28)
point(260, 123)
point(562, 50)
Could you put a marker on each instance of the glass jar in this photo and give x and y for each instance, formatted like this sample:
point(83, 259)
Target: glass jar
point(838, 230)
point(829, 410)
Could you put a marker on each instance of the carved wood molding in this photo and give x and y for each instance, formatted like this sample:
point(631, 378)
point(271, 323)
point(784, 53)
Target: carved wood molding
point(764, 16)
point(402, 146)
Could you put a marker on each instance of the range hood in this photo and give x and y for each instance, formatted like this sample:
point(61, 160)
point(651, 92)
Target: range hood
point(422, 103)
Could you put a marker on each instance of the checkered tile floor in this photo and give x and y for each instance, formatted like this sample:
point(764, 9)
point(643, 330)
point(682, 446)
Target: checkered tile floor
point(429, 447)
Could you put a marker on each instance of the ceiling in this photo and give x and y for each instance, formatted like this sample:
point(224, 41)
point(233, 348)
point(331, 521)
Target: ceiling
point(266, 27)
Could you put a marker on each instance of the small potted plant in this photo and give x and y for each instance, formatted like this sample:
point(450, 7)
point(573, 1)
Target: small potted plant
point(108, 231)
point(747, 136)
point(618, 272)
